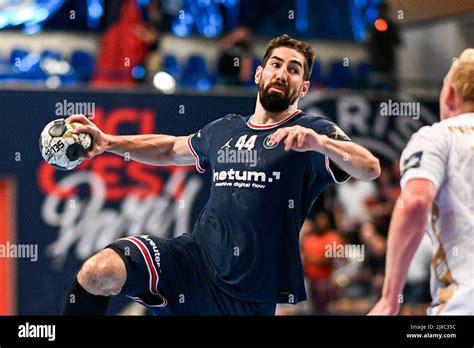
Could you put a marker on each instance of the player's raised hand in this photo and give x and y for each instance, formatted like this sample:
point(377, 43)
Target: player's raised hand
point(100, 140)
point(299, 138)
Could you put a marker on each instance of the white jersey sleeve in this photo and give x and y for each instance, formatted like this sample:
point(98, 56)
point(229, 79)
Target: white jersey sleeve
point(425, 156)
point(444, 154)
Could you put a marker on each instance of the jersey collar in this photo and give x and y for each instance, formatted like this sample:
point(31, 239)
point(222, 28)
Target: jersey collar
point(271, 125)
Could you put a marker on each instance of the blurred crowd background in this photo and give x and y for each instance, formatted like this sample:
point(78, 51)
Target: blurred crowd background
point(356, 214)
point(208, 44)
point(136, 28)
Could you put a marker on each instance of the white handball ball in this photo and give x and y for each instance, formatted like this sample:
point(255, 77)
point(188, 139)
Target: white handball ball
point(62, 148)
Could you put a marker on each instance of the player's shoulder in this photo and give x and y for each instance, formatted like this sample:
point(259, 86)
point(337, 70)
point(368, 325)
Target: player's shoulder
point(446, 126)
point(318, 123)
point(435, 131)
point(226, 120)
point(233, 118)
point(306, 119)
point(434, 136)
point(463, 120)
point(321, 125)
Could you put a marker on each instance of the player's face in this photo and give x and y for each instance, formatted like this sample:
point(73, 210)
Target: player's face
point(280, 82)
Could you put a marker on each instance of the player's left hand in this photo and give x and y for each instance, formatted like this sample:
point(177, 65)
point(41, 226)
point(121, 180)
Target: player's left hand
point(299, 139)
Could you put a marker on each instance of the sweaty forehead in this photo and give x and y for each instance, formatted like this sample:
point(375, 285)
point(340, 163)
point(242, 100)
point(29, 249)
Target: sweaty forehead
point(287, 54)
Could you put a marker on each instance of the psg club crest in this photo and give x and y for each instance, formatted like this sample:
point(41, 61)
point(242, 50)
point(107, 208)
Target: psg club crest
point(268, 144)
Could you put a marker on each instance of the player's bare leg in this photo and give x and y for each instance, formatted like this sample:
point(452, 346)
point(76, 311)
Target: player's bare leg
point(101, 276)
point(104, 274)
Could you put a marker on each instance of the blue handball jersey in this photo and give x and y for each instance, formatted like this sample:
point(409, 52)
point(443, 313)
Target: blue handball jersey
point(249, 228)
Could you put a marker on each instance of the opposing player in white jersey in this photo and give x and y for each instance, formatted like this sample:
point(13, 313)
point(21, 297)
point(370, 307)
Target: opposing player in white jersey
point(437, 168)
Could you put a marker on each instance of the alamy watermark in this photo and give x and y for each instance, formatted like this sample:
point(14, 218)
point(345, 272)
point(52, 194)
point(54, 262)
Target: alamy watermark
point(351, 251)
point(401, 109)
point(227, 155)
point(19, 251)
point(28, 330)
point(67, 108)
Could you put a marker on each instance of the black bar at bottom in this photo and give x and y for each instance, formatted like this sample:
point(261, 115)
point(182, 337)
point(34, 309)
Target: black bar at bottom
point(428, 331)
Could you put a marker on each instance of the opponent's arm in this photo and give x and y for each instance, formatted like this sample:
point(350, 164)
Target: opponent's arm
point(155, 149)
point(406, 231)
point(352, 158)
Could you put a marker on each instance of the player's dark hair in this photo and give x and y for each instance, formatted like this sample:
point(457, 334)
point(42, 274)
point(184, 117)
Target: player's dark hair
point(303, 48)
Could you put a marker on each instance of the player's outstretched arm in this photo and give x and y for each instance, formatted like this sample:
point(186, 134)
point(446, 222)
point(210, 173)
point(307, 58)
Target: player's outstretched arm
point(155, 149)
point(352, 158)
point(406, 231)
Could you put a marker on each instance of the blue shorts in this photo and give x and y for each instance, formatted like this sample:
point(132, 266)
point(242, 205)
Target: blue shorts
point(168, 277)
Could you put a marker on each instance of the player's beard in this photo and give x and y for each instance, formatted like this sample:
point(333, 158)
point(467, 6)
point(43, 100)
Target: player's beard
point(273, 101)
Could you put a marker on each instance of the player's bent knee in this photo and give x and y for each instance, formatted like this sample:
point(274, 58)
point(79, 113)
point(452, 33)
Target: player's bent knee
point(103, 274)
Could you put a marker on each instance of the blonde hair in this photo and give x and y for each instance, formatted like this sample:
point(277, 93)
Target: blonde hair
point(463, 79)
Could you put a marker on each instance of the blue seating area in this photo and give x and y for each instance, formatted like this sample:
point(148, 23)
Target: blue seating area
point(339, 75)
point(194, 72)
point(83, 65)
point(24, 66)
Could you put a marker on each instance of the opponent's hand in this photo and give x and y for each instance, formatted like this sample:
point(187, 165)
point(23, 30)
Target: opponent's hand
point(299, 139)
point(100, 140)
